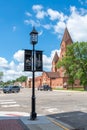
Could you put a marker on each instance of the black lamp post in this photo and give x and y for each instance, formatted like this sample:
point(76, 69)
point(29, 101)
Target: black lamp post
point(33, 40)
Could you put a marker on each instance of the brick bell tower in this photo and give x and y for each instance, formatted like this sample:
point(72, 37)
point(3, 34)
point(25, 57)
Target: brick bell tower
point(54, 61)
point(66, 40)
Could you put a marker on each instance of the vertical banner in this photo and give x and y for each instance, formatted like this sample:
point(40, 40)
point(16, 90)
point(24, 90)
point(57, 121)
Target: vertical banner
point(39, 62)
point(28, 60)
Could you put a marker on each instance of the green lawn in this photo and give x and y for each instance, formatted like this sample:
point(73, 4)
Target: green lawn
point(74, 89)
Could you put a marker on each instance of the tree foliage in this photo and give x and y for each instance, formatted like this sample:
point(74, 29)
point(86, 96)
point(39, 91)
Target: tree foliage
point(1, 75)
point(75, 63)
point(21, 79)
point(11, 82)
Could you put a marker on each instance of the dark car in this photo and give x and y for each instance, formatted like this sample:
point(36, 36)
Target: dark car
point(45, 88)
point(11, 89)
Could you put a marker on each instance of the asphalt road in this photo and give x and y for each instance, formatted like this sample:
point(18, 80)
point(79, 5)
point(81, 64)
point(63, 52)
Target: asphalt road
point(64, 106)
point(47, 102)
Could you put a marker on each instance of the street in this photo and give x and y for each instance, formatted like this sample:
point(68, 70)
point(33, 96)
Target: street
point(47, 102)
point(65, 106)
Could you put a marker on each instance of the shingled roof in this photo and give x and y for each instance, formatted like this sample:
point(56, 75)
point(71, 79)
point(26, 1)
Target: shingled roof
point(53, 74)
point(66, 36)
point(55, 59)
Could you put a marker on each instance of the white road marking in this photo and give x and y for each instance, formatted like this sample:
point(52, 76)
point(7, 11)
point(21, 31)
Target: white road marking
point(8, 103)
point(7, 100)
point(14, 105)
point(52, 110)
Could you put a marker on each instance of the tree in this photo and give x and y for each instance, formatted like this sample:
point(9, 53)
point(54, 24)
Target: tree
point(1, 75)
point(67, 62)
point(82, 62)
point(75, 63)
point(21, 79)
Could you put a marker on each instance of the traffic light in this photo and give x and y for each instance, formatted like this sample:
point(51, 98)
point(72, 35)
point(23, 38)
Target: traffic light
point(28, 60)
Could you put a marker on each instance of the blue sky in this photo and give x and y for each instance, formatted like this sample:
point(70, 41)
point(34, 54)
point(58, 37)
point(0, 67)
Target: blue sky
point(17, 17)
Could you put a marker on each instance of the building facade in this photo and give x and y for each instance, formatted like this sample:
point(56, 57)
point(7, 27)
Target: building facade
point(55, 78)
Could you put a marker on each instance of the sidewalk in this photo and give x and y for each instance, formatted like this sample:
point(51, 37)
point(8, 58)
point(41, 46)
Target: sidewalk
point(14, 122)
point(41, 123)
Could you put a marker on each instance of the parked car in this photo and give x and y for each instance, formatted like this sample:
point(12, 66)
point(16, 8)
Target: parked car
point(45, 88)
point(11, 89)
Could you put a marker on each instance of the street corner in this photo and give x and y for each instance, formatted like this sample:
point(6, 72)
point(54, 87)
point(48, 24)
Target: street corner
point(76, 120)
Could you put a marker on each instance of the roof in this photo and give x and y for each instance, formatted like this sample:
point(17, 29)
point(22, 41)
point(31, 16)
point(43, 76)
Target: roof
point(53, 74)
point(55, 59)
point(66, 36)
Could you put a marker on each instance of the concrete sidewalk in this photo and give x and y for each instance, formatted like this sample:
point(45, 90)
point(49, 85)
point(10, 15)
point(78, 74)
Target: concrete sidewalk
point(41, 123)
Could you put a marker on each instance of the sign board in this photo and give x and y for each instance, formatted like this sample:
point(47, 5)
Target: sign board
point(39, 62)
point(28, 60)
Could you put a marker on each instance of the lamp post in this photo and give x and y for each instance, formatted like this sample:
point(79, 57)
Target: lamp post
point(33, 40)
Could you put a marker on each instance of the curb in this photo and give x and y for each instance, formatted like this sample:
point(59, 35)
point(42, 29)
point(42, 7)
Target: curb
point(60, 124)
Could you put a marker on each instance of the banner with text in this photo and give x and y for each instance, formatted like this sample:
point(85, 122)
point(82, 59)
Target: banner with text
point(28, 60)
point(39, 61)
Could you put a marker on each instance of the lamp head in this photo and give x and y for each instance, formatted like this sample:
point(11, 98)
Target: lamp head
point(33, 36)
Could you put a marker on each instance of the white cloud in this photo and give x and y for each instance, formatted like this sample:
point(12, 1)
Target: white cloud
point(12, 75)
point(53, 53)
point(3, 63)
point(28, 14)
point(8, 75)
point(77, 25)
point(59, 27)
point(40, 14)
point(47, 26)
point(12, 65)
point(16, 70)
point(32, 22)
point(20, 67)
point(13, 69)
point(56, 21)
point(37, 7)
point(19, 56)
point(47, 61)
point(55, 15)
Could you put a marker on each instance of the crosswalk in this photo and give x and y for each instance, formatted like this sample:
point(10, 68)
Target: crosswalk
point(8, 103)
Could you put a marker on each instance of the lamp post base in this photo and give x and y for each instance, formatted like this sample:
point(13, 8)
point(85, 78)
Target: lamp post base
point(33, 116)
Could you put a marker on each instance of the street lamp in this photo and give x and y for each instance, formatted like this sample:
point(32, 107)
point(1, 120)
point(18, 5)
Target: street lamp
point(33, 40)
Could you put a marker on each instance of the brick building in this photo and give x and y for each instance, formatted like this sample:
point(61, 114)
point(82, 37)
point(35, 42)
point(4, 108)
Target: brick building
point(55, 78)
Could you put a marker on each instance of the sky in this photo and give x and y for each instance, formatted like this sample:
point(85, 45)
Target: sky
point(50, 17)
